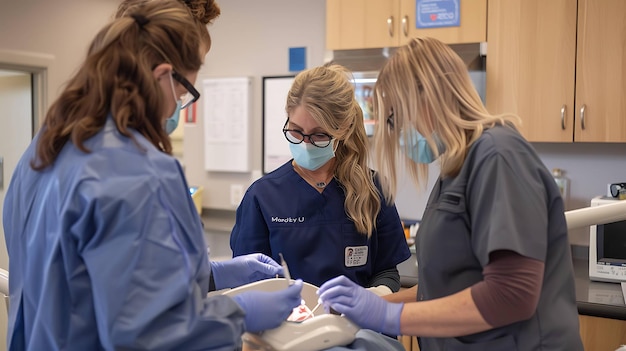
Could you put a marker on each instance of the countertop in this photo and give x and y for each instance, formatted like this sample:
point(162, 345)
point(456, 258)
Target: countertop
point(596, 299)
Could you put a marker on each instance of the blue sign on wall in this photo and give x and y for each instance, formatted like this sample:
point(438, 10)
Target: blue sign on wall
point(297, 59)
point(437, 13)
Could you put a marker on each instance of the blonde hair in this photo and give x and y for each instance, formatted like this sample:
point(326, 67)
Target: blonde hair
point(428, 88)
point(116, 79)
point(327, 94)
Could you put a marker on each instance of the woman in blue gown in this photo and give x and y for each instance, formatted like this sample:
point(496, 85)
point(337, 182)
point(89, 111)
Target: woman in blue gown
point(106, 248)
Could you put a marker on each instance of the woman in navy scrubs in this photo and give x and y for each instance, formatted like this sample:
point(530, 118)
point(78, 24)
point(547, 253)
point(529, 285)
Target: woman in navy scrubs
point(324, 209)
point(495, 271)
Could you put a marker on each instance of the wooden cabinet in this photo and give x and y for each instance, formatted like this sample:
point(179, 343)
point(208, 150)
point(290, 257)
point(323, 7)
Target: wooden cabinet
point(363, 24)
point(596, 333)
point(472, 29)
point(560, 66)
point(602, 333)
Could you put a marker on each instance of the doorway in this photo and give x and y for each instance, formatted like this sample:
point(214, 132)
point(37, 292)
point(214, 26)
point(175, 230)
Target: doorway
point(22, 100)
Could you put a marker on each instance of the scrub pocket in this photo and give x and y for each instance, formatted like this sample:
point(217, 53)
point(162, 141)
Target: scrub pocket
point(355, 247)
point(451, 202)
point(505, 343)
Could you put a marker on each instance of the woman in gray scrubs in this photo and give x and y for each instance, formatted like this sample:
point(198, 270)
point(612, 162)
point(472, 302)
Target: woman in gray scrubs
point(495, 271)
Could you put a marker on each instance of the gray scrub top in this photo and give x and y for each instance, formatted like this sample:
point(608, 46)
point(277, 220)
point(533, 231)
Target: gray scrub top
point(503, 198)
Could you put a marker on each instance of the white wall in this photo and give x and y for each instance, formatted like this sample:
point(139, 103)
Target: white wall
point(61, 28)
point(252, 38)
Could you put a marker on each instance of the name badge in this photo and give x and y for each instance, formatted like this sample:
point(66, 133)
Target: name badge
point(356, 256)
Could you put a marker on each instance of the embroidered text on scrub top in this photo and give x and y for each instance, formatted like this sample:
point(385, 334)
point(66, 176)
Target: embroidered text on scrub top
point(356, 256)
point(288, 219)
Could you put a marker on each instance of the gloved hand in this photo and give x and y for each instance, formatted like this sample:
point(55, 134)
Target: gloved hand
point(362, 307)
point(244, 270)
point(267, 310)
point(380, 290)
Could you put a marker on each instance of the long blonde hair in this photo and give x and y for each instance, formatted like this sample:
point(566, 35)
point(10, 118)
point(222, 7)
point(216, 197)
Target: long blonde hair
point(327, 93)
point(426, 86)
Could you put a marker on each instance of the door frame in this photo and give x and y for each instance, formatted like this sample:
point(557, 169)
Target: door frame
point(38, 65)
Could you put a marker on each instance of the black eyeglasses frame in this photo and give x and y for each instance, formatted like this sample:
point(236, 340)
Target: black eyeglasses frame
point(390, 120)
point(304, 136)
point(190, 88)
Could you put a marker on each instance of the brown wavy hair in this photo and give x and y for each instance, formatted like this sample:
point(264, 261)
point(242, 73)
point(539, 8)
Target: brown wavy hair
point(327, 93)
point(116, 79)
point(202, 11)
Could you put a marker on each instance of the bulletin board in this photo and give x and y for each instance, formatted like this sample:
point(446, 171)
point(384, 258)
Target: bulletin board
point(227, 105)
point(275, 146)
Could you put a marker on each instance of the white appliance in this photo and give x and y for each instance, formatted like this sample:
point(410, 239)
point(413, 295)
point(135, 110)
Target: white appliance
point(607, 237)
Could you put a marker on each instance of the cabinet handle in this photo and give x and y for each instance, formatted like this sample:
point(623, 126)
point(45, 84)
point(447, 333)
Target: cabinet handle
point(582, 117)
point(390, 25)
point(563, 110)
point(405, 25)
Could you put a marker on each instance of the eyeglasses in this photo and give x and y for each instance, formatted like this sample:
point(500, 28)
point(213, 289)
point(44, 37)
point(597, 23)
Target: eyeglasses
point(390, 121)
point(192, 94)
point(615, 188)
point(296, 137)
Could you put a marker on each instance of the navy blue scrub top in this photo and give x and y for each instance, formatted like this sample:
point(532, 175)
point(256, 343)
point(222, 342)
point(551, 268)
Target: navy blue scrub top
point(282, 213)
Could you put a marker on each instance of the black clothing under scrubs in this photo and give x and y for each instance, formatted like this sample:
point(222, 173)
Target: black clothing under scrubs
point(504, 198)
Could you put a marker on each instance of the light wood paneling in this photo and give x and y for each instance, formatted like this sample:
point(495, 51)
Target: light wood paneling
point(472, 29)
point(601, 71)
point(365, 24)
point(600, 334)
point(544, 56)
point(531, 65)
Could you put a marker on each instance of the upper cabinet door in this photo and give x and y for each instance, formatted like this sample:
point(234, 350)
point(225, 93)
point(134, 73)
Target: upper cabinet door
point(601, 71)
point(366, 24)
point(531, 65)
point(472, 28)
point(361, 24)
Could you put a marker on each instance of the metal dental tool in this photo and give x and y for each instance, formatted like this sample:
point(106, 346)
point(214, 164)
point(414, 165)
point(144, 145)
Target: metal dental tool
point(285, 268)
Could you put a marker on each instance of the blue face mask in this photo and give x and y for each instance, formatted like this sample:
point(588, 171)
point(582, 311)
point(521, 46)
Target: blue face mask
point(172, 122)
point(417, 148)
point(310, 156)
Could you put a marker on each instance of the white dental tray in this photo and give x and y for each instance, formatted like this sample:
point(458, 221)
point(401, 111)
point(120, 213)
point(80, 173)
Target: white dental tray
point(317, 333)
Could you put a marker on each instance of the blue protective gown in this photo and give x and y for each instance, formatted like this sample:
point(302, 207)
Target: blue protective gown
point(107, 252)
point(282, 213)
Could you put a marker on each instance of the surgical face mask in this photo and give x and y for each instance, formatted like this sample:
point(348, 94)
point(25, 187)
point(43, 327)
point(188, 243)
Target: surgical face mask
point(417, 147)
point(172, 122)
point(310, 156)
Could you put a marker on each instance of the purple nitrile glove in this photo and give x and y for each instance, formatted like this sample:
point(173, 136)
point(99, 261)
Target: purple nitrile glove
point(243, 270)
point(267, 310)
point(361, 306)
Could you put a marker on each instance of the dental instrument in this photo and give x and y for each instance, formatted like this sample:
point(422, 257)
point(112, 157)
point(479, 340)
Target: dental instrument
point(285, 268)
